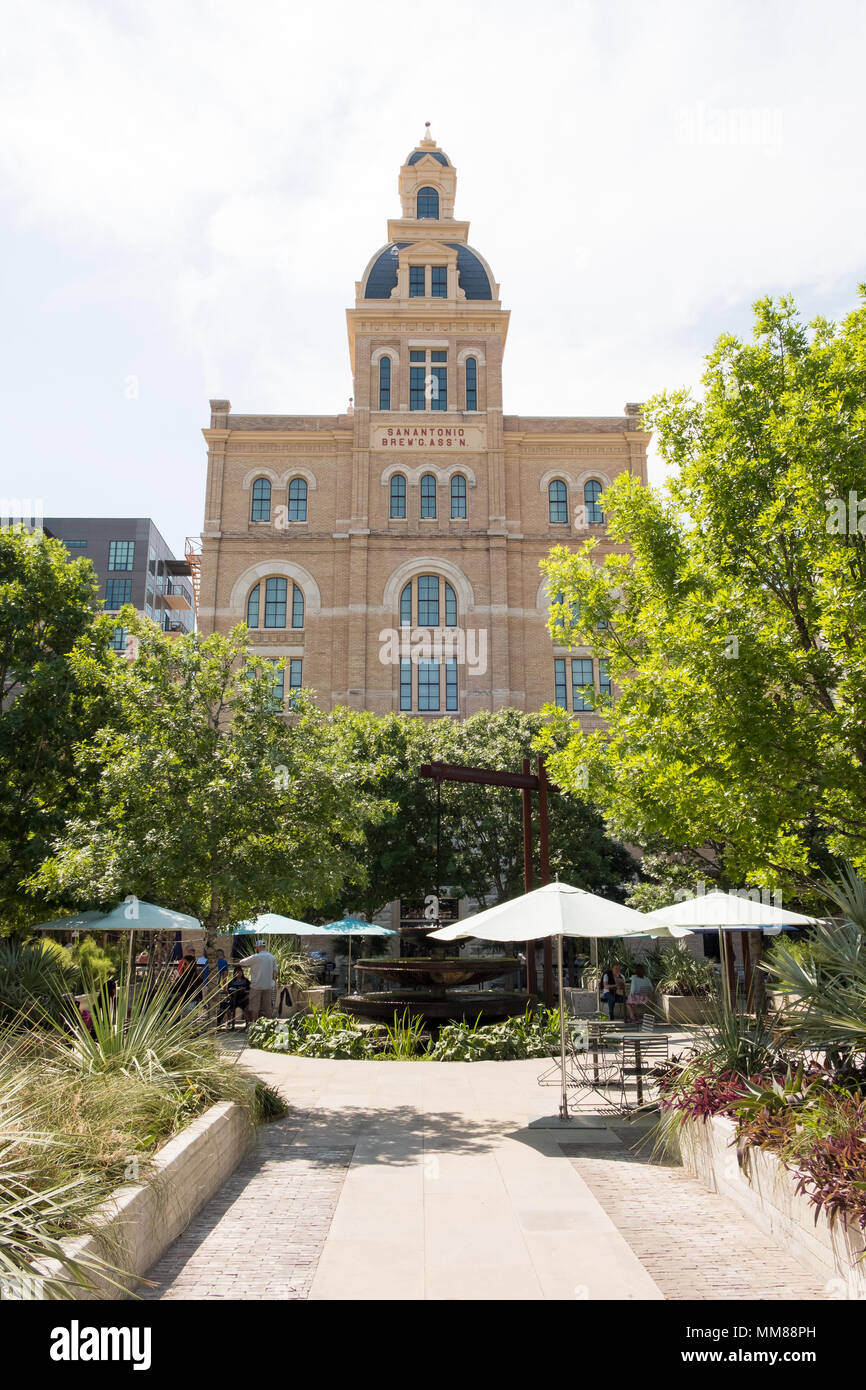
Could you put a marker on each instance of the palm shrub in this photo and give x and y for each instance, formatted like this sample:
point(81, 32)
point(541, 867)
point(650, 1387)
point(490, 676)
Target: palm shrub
point(34, 975)
point(294, 967)
point(611, 951)
point(826, 985)
point(94, 963)
point(676, 971)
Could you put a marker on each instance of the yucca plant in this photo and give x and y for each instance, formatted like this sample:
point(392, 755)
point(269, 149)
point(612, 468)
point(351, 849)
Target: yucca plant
point(827, 985)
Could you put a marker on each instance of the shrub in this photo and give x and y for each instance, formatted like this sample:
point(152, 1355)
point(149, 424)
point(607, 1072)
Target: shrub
point(34, 975)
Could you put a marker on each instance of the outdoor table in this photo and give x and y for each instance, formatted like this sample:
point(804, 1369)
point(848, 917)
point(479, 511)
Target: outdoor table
point(638, 1042)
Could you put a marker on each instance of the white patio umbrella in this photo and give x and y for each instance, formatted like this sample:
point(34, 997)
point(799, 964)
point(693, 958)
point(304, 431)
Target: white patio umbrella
point(729, 912)
point(718, 911)
point(556, 910)
point(132, 915)
point(273, 924)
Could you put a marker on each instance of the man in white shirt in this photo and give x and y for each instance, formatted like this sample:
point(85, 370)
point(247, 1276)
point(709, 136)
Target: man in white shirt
point(262, 969)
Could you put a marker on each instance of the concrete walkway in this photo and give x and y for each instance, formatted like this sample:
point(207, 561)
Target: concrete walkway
point(406, 1180)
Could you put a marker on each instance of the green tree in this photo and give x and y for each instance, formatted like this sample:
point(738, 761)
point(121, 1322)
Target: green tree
point(55, 690)
point(735, 622)
point(485, 824)
point(203, 798)
point(482, 828)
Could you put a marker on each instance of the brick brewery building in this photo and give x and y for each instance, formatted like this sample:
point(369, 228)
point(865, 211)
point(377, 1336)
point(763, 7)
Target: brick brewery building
point(412, 525)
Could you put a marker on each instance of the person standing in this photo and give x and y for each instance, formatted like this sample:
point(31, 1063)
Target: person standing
point(640, 994)
point(262, 969)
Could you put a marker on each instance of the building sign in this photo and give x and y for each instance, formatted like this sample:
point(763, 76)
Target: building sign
point(420, 438)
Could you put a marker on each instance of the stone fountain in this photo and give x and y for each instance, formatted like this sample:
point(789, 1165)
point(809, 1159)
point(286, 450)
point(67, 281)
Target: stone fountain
point(434, 984)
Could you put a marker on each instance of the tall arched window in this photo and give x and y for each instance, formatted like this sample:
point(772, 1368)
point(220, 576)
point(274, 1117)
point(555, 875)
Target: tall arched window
point(298, 499)
point(458, 496)
point(428, 202)
point(384, 383)
point(471, 384)
point(261, 504)
point(398, 496)
point(557, 500)
point(428, 495)
point(591, 494)
point(276, 604)
point(428, 678)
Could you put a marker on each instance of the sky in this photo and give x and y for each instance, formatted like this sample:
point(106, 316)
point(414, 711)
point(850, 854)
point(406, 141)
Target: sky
point(189, 192)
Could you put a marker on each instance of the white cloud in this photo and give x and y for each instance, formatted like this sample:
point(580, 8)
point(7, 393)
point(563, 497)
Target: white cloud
point(635, 175)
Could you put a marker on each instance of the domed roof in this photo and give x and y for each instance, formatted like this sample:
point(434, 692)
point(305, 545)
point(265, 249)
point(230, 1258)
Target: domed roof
point(437, 154)
point(471, 275)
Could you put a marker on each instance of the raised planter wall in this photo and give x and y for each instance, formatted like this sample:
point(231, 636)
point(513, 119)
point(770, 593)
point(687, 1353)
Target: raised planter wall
point(139, 1221)
point(683, 1008)
point(764, 1190)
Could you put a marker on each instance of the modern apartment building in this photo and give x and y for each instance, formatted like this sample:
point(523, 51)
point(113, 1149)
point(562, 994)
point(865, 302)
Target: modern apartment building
point(134, 565)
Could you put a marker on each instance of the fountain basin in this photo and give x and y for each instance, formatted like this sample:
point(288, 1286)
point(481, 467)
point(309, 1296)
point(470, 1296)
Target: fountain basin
point(424, 972)
point(380, 1006)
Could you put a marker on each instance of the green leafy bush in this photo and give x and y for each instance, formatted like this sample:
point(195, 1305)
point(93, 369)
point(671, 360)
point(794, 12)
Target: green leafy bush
point(330, 1033)
point(516, 1038)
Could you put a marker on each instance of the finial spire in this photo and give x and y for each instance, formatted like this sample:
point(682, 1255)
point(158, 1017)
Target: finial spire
point(427, 138)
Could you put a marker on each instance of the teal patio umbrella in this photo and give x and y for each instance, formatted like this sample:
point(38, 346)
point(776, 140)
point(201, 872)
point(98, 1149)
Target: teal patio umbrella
point(132, 915)
point(350, 926)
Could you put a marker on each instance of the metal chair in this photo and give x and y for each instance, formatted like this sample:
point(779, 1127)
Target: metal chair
point(641, 1053)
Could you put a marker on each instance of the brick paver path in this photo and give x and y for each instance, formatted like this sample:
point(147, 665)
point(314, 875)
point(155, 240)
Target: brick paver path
point(695, 1244)
point(262, 1234)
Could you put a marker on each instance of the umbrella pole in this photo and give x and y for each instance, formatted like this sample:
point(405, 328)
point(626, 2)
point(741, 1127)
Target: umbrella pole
point(129, 965)
point(593, 956)
point(563, 1100)
point(349, 970)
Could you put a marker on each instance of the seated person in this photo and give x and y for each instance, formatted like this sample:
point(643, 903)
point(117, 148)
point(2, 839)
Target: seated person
point(237, 996)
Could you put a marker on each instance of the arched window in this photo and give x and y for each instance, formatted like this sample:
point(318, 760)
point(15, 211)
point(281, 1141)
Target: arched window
point(261, 506)
point(471, 384)
point(575, 606)
point(428, 202)
point(458, 496)
point(428, 679)
point(398, 495)
point(591, 494)
point(428, 495)
point(298, 499)
point(276, 604)
point(557, 496)
point(384, 383)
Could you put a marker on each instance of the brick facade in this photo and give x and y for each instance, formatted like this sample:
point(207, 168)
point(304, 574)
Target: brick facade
point(427, 292)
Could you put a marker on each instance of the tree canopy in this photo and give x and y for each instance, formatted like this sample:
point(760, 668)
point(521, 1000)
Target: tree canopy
point(200, 798)
point(55, 690)
point(482, 836)
point(735, 623)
